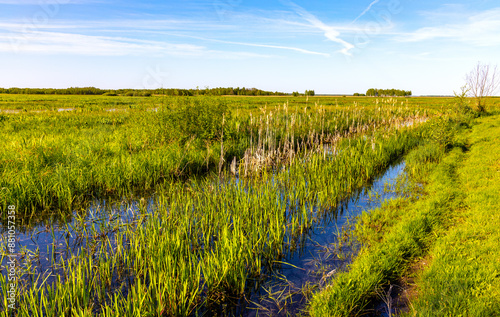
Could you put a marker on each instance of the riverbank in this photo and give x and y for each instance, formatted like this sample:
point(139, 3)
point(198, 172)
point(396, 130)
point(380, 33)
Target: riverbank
point(438, 248)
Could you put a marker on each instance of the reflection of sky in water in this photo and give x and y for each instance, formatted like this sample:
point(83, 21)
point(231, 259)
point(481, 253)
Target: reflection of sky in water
point(318, 248)
point(48, 242)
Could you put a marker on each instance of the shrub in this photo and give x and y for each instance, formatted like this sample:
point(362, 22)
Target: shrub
point(198, 117)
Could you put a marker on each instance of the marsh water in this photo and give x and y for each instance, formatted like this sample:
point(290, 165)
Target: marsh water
point(308, 265)
point(321, 252)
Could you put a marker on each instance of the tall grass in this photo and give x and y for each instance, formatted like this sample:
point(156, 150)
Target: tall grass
point(395, 236)
point(208, 242)
point(61, 160)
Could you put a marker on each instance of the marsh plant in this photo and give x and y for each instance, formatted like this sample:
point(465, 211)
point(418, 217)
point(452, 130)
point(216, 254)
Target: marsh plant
point(206, 240)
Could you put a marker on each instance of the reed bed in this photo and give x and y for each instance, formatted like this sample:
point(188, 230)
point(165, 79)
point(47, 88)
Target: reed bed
point(208, 242)
point(58, 161)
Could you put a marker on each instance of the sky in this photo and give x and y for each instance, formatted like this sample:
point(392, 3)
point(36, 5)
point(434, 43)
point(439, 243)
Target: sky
point(332, 47)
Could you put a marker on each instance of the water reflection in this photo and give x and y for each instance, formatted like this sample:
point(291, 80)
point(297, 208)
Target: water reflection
point(318, 254)
point(311, 258)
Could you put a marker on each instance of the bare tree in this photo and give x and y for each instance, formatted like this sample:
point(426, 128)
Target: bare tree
point(483, 81)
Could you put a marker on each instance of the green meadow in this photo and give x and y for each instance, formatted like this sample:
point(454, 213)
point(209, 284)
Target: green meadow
point(225, 188)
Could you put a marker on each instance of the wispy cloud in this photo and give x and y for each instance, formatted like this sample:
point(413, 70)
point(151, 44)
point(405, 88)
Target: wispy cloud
point(289, 48)
point(57, 42)
point(330, 32)
point(77, 44)
point(27, 37)
point(480, 29)
point(120, 24)
point(280, 47)
point(366, 10)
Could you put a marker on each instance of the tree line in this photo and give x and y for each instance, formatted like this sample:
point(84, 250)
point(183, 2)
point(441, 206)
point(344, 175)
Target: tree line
point(306, 93)
point(142, 92)
point(387, 92)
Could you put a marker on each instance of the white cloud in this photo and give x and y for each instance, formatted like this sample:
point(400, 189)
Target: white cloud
point(295, 49)
point(366, 10)
point(100, 25)
point(480, 29)
point(56, 42)
point(281, 47)
point(77, 44)
point(330, 32)
point(51, 38)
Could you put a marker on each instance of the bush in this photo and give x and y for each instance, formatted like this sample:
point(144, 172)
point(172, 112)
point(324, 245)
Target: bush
point(198, 117)
point(442, 131)
point(462, 103)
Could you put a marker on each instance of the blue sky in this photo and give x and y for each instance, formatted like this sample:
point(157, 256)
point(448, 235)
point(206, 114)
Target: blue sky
point(337, 47)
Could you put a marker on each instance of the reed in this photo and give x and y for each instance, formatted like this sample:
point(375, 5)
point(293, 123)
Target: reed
point(206, 241)
point(61, 160)
point(209, 241)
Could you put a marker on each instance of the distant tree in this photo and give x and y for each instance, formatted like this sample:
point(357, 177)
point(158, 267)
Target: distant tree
point(296, 94)
point(309, 93)
point(483, 81)
point(388, 92)
point(371, 92)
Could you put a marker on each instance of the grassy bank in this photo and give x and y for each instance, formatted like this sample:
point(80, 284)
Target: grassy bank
point(463, 278)
point(451, 222)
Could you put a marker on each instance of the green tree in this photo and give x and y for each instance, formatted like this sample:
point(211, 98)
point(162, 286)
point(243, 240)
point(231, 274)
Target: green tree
point(371, 92)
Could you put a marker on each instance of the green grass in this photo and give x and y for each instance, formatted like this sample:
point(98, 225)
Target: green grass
point(453, 223)
point(463, 278)
point(209, 239)
point(406, 227)
point(60, 160)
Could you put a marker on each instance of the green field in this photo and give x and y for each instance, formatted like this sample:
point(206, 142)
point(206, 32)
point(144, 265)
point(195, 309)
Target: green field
point(224, 189)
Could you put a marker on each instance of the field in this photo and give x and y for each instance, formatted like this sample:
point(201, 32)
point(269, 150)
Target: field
point(176, 206)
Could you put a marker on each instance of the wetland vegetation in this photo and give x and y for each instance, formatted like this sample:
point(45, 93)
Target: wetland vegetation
point(221, 191)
